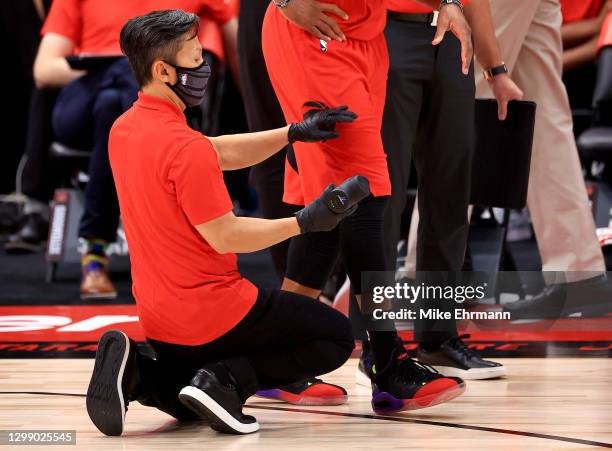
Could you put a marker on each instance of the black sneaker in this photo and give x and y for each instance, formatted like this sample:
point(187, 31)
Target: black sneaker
point(408, 385)
point(107, 394)
point(454, 358)
point(220, 404)
point(590, 297)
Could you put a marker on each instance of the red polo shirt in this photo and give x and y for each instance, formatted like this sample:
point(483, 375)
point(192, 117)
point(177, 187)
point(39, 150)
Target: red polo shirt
point(576, 10)
point(411, 6)
point(94, 25)
point(168, 180)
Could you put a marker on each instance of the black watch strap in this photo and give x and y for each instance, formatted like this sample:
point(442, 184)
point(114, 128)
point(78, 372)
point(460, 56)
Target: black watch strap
point(451, 2)
point(493, 71)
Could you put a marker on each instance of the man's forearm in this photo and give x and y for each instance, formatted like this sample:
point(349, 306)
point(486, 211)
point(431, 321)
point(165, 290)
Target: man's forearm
point(54, 73)
point(576, 33)
point(580, 55)
point(478, 13)
point(254, 234)
point(246, 149)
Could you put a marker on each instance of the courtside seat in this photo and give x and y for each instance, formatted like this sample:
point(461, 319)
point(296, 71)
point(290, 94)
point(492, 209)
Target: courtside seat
point(595, 144)
point(59, 150)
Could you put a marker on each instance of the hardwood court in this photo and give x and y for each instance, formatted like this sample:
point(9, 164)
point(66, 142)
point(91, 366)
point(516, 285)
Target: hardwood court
point(544, 404)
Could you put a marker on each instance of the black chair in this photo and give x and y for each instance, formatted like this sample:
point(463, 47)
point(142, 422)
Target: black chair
point(67, 207)
point(595, 144)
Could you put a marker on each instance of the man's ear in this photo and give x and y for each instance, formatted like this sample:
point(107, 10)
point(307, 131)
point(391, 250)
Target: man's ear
point(162, 72)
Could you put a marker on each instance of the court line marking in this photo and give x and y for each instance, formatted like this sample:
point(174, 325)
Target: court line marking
point(378, 417)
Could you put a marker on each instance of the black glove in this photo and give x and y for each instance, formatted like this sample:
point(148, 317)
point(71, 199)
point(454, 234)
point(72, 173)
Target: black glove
point(322, 214)
point(319, 123)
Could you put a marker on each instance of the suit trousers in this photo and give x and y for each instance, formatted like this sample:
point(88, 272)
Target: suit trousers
point(529, 34)
point(428, 118)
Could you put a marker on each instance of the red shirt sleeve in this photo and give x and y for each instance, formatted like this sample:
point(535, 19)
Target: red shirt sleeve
point(221, 11)
point(198, 181)
point(64, 18)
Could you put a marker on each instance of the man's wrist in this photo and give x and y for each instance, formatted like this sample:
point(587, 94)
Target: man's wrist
point(492, 72)
point(444, 3)
point(295, 226)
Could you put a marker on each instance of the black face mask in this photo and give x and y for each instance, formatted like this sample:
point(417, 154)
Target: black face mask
point(191, 83)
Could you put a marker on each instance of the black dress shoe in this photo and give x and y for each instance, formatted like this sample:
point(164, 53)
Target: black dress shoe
point(30, 237)
point(219, 403)
point(111, 382)
point(590, 297)
point(454, 358)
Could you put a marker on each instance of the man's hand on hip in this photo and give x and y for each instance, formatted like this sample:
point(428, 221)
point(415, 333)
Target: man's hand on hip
point(451, 19)
point(311, 16)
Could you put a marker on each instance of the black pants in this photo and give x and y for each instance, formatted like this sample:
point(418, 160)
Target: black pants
point(358, 241)
point(83, 115)
point(41, 174)
point(20, 35)
point(429, 117)
point(263, 113)
point(283, 339)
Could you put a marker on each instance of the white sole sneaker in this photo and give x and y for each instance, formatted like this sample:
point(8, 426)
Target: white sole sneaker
point(473, 373)
point(219, 418)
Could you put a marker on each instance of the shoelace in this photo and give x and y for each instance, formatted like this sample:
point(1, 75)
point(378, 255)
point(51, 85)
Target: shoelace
point(412, 371)
point(458, 344)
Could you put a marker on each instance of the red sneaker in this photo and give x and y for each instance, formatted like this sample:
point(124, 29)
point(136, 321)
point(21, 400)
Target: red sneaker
point(310, 392)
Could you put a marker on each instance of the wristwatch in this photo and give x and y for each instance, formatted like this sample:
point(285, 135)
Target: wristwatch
point(451, 2)
point(281, 3)
point(493, 71)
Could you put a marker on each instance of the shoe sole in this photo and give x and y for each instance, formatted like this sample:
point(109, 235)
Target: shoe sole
point(298, 400)
point(219, 418)
point(385, 403)
point(111, 295)
point(472, 374)
point(362, 379)
point(105, 402)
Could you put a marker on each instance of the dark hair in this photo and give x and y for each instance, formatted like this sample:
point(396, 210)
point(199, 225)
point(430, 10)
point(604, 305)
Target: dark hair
point(156, 35)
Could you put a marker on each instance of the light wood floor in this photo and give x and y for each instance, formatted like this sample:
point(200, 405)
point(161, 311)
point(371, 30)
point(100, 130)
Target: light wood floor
point(565, 398)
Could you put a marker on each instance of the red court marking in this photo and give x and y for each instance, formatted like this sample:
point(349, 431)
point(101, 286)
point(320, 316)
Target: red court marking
point(93, 320)
point(77, 314)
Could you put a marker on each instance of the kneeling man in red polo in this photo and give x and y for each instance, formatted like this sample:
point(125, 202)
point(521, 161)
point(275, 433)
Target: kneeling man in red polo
point(217, 338)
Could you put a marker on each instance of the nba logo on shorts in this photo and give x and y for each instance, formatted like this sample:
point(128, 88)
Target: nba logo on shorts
point(323, 45)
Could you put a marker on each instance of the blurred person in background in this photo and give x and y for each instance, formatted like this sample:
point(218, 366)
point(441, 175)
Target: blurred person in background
point(529, 35)
point(89, 103)
point(20, 23)
point(582, 23)
point(263, 113)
